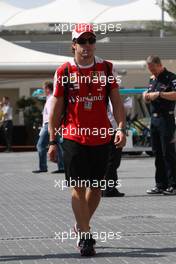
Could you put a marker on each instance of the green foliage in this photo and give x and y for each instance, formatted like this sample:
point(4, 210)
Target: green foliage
point(32, 110)
point(24, 102)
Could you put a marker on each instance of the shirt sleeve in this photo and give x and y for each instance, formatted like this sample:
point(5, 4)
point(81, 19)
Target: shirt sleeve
point(113, 79)
point(58, 89)
point(48, 105)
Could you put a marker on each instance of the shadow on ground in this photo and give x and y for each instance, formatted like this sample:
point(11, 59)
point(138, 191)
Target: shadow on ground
point(129, 252)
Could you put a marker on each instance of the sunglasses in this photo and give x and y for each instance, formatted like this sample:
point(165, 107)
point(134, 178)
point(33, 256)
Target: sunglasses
point(82, 41)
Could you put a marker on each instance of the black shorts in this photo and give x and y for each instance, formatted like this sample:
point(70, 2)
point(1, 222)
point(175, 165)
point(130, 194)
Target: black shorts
point(84, 165)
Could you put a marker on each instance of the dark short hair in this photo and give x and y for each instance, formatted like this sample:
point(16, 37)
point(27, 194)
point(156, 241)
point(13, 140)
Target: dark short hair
point(72, 49)
point(49, 85)
point(153, 59)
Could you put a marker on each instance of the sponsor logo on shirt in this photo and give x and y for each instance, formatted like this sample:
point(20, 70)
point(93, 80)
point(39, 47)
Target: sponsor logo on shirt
point(81, 99)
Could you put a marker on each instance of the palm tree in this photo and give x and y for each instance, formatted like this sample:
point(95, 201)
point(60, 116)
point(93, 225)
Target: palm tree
point(170, 8)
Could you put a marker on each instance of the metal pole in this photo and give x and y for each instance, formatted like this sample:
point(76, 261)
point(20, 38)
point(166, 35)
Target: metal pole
point(162, 20)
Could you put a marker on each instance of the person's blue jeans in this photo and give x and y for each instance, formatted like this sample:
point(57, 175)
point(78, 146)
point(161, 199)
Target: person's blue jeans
point(42, 145)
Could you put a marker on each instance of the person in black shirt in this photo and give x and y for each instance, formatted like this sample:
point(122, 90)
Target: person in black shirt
point(161, 95)
point(114, 160)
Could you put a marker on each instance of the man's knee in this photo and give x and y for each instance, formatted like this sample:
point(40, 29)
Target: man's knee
point(79, 192)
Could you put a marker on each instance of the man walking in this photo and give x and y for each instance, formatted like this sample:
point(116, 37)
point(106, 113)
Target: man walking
point(81, 107)
point(42, 143)
point(7, 123)
point(162, 96)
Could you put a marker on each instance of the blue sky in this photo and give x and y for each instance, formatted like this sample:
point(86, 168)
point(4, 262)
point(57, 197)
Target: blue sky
point(34, 3)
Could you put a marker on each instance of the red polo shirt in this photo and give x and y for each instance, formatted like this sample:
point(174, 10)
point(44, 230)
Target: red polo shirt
point(86, 120)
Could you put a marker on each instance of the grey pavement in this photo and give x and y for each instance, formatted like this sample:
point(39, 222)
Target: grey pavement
point(35, 213)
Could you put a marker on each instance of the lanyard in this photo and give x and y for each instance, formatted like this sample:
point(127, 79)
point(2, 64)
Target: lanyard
point(89, 84)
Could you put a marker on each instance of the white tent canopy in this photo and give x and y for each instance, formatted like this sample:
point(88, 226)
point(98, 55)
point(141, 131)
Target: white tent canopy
point(14, 58)
point(139, 10)
point(64, 11)
point(74, 11)
point(7, 12)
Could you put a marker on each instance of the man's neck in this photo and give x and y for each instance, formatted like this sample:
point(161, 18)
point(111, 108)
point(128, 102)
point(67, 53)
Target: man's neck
point(84, 61)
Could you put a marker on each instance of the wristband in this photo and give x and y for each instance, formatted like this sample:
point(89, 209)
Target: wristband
point(52, 142)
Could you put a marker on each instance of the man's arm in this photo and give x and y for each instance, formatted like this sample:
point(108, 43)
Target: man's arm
point(171, 96)
point(148, 97)
point(120, 117)
point(57, 107)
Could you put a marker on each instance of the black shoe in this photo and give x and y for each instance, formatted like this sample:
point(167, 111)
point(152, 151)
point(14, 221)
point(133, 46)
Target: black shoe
point(155, 190)
point(77, 231)
point(112, 192)
point(86, 246)
point(170, 191)
point(39, 171)
point(58, 171)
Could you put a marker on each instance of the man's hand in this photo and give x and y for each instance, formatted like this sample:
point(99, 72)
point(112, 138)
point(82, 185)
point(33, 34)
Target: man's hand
point(148, 97)
point(53, 153)
point(120, 139)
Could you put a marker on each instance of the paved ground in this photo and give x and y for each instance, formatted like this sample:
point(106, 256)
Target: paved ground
point(34, 211)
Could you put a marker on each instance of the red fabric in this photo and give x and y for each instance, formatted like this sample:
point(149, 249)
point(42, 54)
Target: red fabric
point(83, 28)
point(77, 116)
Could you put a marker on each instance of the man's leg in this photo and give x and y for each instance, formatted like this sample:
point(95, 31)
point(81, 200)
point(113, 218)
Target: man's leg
point(84, 165)
point(113, 164)
point(98, 159)
point(160, 173)
point(84, 204)
point(82, 215)
point(75, 161)
point(93, 197)
point(9, 134)
point(81, 208)
point(169, 153)
point(7, 131)
point(170, 164)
